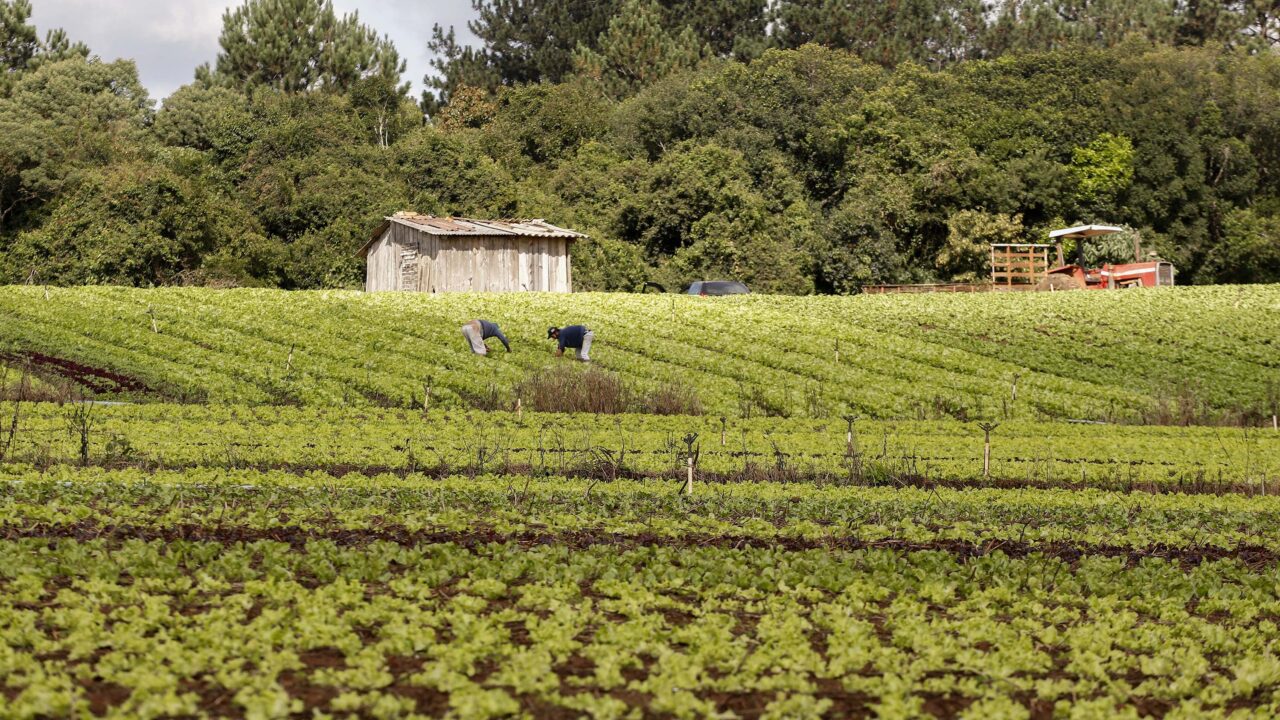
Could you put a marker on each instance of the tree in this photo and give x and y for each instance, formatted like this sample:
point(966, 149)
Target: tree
point(59, 120)
point(192, 115)
point(970, 234)
point(1102, 169)
point(729, 28)
point(20, 46)
point(931, 32)
point(382, 106)
point(448, 174)
point(1261, 22)
point(531, 41)
point(132, 223)
point(1249, 251)
point(19, 41)
point(301, 45)
point(523, 41)
point(636, 50)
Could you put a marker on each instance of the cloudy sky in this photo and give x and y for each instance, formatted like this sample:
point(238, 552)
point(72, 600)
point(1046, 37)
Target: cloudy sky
point(169, 39)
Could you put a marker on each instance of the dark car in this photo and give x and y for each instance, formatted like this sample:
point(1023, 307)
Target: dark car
point(716, 288)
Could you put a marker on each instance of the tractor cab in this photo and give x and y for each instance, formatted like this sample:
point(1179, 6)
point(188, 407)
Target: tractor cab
point(1076, 276)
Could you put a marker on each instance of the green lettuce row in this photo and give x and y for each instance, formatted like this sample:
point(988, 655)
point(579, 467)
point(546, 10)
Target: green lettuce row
point(1169, 458)
point(1087, 355)
point(267, 629)
point(69, 500)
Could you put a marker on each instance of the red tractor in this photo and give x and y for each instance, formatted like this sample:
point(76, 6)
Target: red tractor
point(1077, 277)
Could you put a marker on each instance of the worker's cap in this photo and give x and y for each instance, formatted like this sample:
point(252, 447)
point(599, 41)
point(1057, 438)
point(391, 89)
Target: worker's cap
point(551, 331)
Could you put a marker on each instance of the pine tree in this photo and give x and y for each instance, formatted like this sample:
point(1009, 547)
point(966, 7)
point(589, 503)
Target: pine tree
point(731, 28)
point(20, 47)
point(932, 32)
point(18, 40)
point(300, 45)
point(523, 41)
point(529, 41)
point(636, 50)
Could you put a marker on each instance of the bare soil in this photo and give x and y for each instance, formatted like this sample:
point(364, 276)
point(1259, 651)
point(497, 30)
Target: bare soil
point(1253, 556)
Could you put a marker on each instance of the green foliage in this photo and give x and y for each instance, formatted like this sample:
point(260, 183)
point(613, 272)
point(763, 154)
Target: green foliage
point(935, 32)
point(523, 41)
point(635, 50)
point(951, 355)
point(193, 116)
point(970, 234)
point(480, 593)
point(299, 45)
point(127, 224)
point(21, 48)
point(19, 41)
point(538, 125)
point(1250, 248)
point(447, 174)
point(607, 265)
point(1103, 169)
point(802, 170)
point(62, 119)
point(532, 41)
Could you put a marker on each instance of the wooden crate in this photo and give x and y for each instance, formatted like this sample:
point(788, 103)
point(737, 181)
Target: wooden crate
point(1019, 263)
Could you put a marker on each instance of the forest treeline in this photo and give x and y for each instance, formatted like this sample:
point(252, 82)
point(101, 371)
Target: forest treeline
point(800, 145)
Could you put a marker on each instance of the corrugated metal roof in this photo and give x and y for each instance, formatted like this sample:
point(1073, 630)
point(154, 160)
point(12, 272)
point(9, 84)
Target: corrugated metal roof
point(471, 226)
point(463, 227)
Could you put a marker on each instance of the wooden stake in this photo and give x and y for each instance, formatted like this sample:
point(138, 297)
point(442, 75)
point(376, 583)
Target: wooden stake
point(688, 483)
point(519, 410)
point(722, 423)
point(837, 351)
point(426, 396)
point(986, 448)
point(848, 435)
point(1274, 425)
point(288, 362)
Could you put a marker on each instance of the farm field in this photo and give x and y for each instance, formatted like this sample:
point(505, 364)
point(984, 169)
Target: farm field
point(1163, 354)
point(296, 539)
point(375, 441)
point(270, 594)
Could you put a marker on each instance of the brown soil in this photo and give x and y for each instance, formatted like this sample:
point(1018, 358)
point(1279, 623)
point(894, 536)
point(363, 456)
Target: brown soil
point(96, 380)
point(1252, 555)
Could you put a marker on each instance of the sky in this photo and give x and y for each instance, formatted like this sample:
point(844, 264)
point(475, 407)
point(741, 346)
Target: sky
point(169, 38)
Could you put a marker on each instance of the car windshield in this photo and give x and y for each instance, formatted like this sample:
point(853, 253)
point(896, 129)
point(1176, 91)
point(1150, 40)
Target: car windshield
point(724, 287)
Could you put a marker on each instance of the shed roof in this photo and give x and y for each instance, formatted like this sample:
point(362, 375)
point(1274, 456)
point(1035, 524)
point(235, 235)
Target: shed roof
point(456, 227)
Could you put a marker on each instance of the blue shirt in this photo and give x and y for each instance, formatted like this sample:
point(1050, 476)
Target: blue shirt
point(489, 330)
point(571, 336)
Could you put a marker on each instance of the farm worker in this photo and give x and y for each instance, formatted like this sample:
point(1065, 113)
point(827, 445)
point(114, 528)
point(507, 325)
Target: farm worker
point(573, 337)
point(477, 331)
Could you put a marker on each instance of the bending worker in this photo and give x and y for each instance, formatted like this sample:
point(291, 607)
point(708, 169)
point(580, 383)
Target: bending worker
point(573, 337)
point(477, 331)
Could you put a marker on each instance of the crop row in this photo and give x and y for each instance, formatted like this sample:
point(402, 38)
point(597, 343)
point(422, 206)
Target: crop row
point(270, 629)
point(75, 501)
point(376, 440)
point(989, 356)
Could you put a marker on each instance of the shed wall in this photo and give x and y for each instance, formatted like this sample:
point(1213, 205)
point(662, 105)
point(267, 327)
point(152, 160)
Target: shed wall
point(380, 271)
point(493, 264)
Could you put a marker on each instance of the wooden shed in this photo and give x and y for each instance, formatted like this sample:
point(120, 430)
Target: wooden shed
point(423, 253)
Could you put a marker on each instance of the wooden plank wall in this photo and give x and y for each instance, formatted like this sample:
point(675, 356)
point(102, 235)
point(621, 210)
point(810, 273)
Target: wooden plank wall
point(492, 264)
point(381, 267)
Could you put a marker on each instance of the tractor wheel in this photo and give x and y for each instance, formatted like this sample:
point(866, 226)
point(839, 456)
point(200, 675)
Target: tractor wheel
point(1053, 283)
